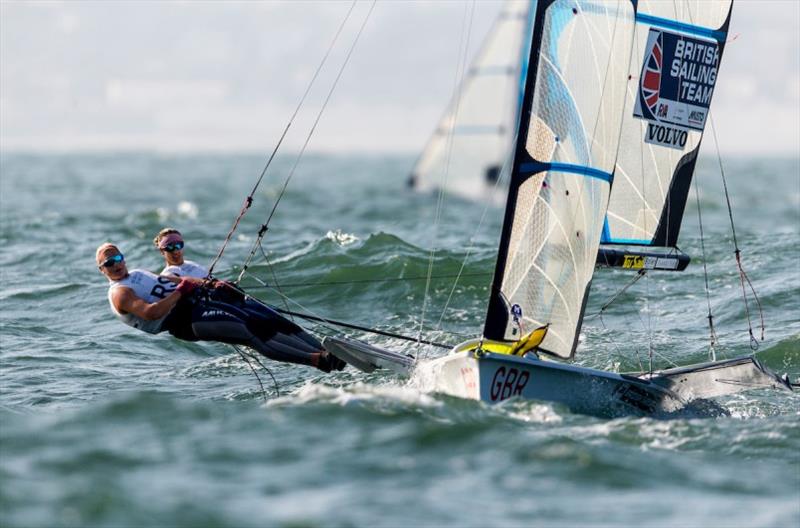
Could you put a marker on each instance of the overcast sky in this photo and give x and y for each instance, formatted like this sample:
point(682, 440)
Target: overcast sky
point(177, 75)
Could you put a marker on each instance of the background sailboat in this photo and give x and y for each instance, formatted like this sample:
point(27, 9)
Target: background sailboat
point(475, 136)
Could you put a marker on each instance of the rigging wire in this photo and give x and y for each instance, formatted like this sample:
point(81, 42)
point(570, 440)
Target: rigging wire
point(616, 347)
point(362, 328)
point(743, 278)
point(274, 277)
point(641, 273)
point(328, 323)
point(466, 31)
point(471, 247)
point(367, 281)
point(247, 357)
point(249, 200)
point(649, 323)
point(264, 227)
point(712, 348)
point(504, 170)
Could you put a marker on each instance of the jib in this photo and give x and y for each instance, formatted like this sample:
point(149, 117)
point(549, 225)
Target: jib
point(666, 136)
point(507, 383)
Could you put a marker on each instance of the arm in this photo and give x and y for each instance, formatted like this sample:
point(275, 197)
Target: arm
point(209, 282)
point(176, 279)
point(125, 301)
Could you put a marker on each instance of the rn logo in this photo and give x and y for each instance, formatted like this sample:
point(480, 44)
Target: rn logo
point(666, 136)
point(507, 383)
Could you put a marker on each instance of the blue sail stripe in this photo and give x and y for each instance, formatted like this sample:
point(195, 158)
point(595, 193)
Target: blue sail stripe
point(531, 168)
point(681, 26)
point(628, 241)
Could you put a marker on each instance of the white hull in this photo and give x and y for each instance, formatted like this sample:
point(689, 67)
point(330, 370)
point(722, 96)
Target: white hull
point(493, 378)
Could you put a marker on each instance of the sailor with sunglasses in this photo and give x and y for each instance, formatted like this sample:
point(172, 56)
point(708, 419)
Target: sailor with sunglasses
point(170, 243)
point(187, 310)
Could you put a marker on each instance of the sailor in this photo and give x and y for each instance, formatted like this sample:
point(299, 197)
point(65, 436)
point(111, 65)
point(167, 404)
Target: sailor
point(170, 243)
point(185, 308)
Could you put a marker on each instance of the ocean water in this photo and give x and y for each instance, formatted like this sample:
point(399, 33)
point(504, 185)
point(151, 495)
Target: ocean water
point(101, 425)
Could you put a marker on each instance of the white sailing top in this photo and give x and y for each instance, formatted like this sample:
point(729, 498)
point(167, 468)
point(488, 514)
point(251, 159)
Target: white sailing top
point(187, 269)
point(150, 288)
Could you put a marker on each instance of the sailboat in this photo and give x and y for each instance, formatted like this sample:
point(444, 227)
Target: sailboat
point(616, 97)
point(478, 124)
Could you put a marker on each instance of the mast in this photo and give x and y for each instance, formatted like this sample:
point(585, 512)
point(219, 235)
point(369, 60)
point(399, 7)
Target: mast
point(562, 171)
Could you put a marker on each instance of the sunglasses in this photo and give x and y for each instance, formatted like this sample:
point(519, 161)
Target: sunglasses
point(177, 246)
point(110, 261)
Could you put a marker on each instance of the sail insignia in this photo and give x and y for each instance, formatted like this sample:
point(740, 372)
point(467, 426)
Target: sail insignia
point(676, 59)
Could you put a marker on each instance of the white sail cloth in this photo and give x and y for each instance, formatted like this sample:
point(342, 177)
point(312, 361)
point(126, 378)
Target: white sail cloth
point(563, 170)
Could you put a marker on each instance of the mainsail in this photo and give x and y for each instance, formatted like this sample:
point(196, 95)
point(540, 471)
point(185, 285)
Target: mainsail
point(481, 119)
point(676, 57)
point(563, 168)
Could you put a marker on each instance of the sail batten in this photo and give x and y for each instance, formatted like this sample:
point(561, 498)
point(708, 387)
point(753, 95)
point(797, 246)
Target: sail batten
point(563, 170)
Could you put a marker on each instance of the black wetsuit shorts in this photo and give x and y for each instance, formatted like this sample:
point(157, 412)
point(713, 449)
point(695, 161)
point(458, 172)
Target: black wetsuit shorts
point(231, 317)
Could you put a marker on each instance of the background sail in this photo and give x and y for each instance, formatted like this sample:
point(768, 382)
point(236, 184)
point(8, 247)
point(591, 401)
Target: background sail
point(486, 103)
point(676, 57)
point(563, 166)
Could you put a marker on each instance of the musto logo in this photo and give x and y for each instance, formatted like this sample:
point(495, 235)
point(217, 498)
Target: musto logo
point(508, 382)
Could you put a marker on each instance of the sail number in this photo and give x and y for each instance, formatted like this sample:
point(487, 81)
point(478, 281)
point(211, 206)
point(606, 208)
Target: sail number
point(508, 382)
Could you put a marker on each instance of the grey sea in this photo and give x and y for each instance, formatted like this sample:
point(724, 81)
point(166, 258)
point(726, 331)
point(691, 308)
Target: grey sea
point(101, 425)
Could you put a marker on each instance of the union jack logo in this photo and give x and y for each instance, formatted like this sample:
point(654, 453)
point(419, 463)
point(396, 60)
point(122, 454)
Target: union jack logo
point(651, 76)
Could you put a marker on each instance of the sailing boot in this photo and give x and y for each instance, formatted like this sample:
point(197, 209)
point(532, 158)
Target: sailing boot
point(327, 362)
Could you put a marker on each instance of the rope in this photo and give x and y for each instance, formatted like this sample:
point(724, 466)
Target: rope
point(274, 277)
point(363, 328)
point(460, 273)
point(249, 200)
point(466, 31)
point(265, 226)
point(367, 281)
point(713, 334)
point(244, 355)
point(743, 278)
point(641, 273)
point(327, 322)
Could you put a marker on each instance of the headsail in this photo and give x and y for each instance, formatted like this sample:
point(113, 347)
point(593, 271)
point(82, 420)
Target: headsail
point(482, 117)
point(563, 168)
point(676, 58)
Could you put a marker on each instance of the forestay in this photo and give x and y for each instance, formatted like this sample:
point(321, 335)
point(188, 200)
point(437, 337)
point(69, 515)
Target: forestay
point(563, 167)
point(676, 57)
point(482, 116)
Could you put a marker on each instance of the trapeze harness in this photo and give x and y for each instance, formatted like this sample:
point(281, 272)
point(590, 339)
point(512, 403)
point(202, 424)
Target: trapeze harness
point(228, 316)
